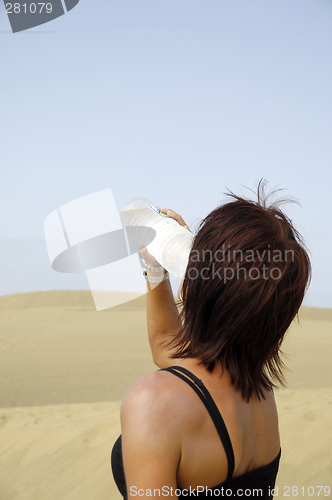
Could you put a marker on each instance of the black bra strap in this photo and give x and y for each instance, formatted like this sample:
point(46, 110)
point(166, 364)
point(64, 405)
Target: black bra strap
point(211, 407)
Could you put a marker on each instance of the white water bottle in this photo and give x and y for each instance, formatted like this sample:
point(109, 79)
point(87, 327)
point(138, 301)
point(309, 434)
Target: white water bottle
point(163, 237)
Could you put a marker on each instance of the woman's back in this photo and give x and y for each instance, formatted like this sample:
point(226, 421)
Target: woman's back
point(252, 428)
point(244, 455)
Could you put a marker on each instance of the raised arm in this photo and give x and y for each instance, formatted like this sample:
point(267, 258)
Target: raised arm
point(163, 320)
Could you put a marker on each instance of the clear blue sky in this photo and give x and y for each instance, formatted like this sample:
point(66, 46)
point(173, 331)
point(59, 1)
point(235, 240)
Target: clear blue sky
point(172, 100)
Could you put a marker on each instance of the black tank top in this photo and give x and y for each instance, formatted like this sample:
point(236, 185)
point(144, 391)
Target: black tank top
point(262, 479)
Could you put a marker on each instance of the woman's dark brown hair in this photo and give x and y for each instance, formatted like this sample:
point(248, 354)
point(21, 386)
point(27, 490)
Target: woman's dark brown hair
point(246, 277)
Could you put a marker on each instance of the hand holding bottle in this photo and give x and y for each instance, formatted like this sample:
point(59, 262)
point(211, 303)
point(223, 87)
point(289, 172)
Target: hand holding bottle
point(146, 256)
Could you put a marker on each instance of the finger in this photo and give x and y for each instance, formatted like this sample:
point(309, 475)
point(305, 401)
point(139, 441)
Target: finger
point(147, 257)
point(144, 253)
point(142, 249)
point(174, 216)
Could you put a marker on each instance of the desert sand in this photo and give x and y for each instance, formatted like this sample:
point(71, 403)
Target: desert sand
point(64, 368)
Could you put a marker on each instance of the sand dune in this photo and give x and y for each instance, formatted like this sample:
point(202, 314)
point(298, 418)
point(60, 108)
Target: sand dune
point(58, 451)
point(56, 348)
point(64, 368)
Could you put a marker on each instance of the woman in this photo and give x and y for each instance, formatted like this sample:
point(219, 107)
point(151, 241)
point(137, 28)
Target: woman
point(245, 281)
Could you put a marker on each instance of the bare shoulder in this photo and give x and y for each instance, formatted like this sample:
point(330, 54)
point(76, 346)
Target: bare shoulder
point(159, 397)
point(151, 437)
point(151, 418)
